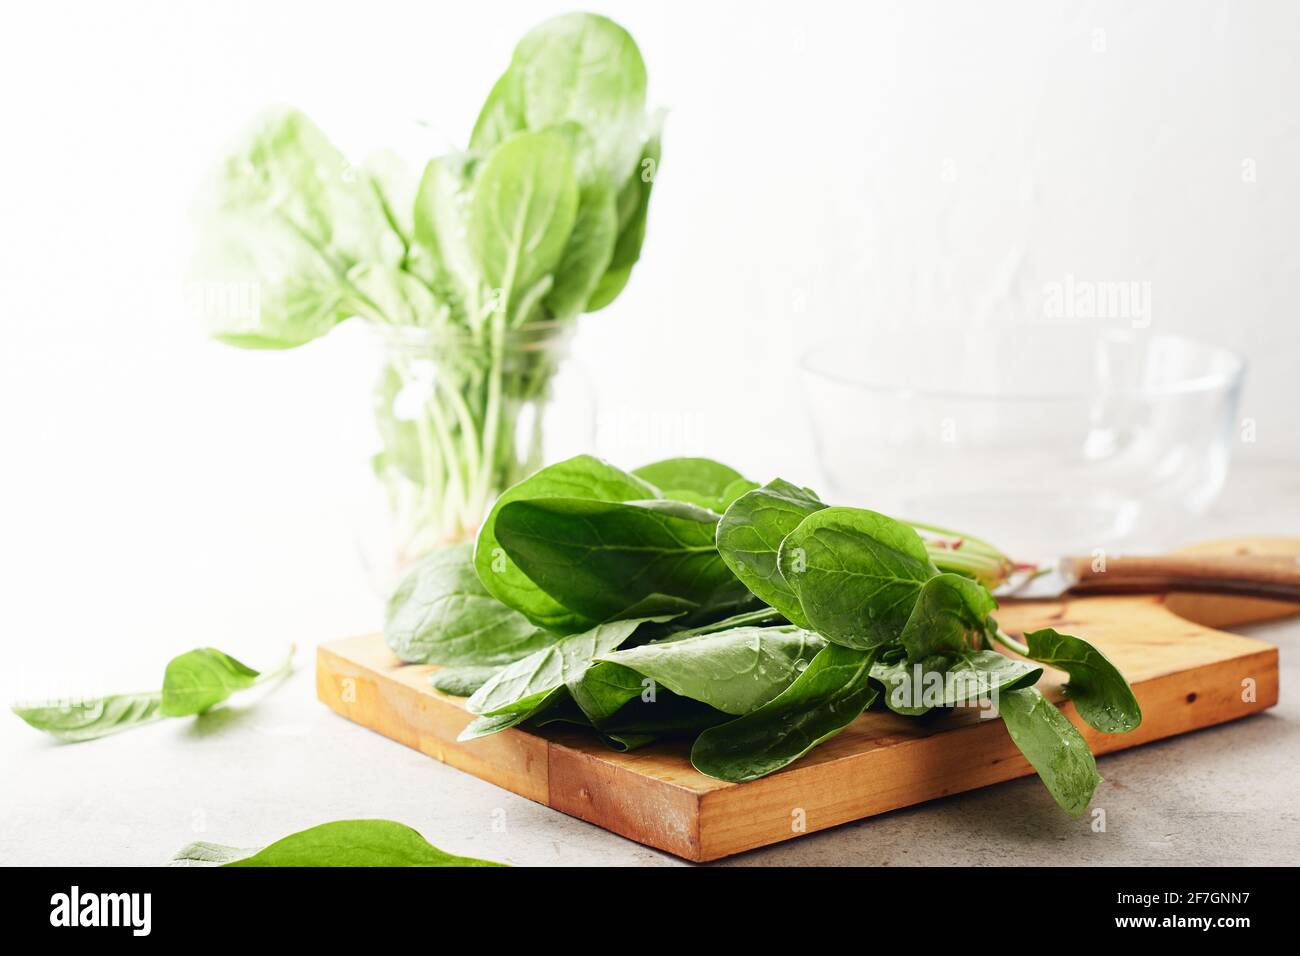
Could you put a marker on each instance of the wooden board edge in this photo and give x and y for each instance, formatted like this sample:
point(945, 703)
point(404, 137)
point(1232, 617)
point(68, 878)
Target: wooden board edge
point(616, 798)
point(513, 759)
point(803, 800)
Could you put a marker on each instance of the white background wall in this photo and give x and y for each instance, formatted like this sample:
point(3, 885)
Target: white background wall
point(825, 165)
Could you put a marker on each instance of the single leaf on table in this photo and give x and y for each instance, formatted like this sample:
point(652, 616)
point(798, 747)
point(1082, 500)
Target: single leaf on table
point(750, 534)
point(461, 681)
point(203, 853)
point(828, 696)
point(442, 614)
point(1100, 693)
point(857, 574)
point(519, 688)
point(579, 477)
point(524, 206)
point(91, 718)
point(600, 557)
point(950, 615)
point(200, 679)
point(735, 671)
point(1053, 746)
point(193, 683)
point(340, 843)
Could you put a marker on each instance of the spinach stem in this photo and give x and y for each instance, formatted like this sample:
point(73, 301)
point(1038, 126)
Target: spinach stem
point(1009, 642)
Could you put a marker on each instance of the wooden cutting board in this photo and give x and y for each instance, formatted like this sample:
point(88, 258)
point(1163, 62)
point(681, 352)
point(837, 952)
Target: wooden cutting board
point(1186, 676)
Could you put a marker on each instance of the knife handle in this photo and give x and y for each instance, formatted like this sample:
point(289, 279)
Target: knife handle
point(1242, 575)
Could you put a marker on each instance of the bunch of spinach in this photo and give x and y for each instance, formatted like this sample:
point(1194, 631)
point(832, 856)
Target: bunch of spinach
point(540, 219)
point(683, 599)
point(193, 683)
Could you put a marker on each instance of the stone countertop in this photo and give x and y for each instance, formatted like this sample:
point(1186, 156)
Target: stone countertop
point(248, 774)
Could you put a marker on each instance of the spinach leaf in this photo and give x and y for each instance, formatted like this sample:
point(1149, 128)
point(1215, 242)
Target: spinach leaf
point(750, 534)
point(577, 67)
point(461, 681)
point(579, 477)
point(203, 853)
point(735, 671)
point(600, 557)
point(442, 614)
point(1100, 693)
point(340, 843)
point(193, 683)
point(604, 689)
point(633, 206)
point(441, 230)
point(698, 481)
point(75, 721)
point(198, 680)
point(913, 688)
point(519, 688)
point(495, 723)
point(283, 224)
point(1053, 746)
point(588, 252)
point(857, 574)
point(524, 207)
point(828, 696)
point(755, 618)
point(619, 701)
point(951, 616)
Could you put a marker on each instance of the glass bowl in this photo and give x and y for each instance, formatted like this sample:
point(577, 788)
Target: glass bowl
point(1043, 437)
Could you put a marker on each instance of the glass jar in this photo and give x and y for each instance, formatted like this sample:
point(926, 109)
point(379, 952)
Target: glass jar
point(462, 415)
point(1045, 437)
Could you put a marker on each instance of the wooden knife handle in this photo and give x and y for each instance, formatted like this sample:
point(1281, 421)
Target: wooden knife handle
point(1249, 575)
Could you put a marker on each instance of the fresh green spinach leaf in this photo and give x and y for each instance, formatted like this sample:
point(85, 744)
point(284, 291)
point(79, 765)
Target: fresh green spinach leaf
point(588, 252)
point(524, 207)
point(913, 688)
point(200, 679)
point(577, 67)
point(442, 614)
point(857, 574)
point(579, 477)
point(633, 206)
point(599, 558)
point(698, 481)
point(750, 535)
point(193, 683)
point(519, 688)
point(1100, 693)
point(828, 696)
point(77, 720)
point(340, 843)
point(1053, 746)
point(735, 671)
point(283, 227)
point(461, 681)
point(951, 616)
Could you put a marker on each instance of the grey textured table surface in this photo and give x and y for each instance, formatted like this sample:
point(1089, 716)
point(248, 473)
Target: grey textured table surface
point(248, 774)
